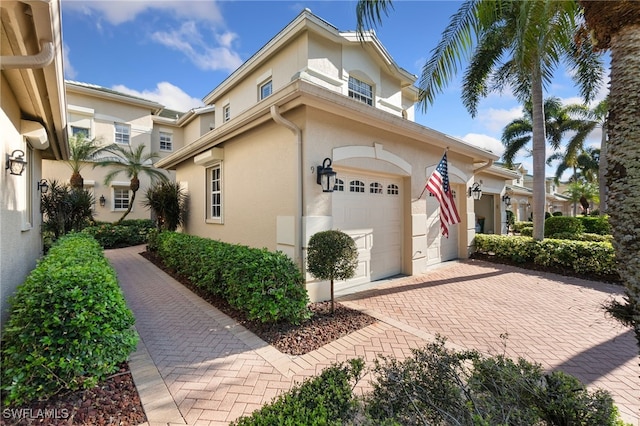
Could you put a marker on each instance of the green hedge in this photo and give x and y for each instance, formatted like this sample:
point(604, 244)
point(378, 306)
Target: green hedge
point(582, 257)
point(519, 225)
point(69, 325)
point(596, 225)
point(266, 286)
point(129, 233)
point(563, 224)
point(327, 399)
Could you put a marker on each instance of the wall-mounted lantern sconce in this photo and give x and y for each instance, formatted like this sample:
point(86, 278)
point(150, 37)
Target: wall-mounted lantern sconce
point(325, 176)
point(475, 191)
point(506, 199)
point(103, 201)
point(16, 162)
point(43, 186)
point(528, 205)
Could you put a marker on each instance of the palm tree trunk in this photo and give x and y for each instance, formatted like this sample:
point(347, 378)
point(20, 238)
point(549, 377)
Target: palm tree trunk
point(539, 155)
point(133, 198)
point(602, 170)
point(623, 157)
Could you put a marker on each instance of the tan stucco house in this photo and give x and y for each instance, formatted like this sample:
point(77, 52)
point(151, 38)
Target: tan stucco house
point(310, 94)
point(33, 123)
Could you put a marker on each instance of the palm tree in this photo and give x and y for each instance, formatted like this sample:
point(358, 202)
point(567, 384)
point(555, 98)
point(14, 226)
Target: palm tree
point(131, 162)
point(81, 151)
point(558, 121)
point(512, 44)
point(616, 26)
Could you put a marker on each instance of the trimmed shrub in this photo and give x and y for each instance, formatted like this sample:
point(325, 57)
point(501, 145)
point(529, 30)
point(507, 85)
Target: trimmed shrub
point(564, 224)
point(266, 286)
point(556, 214)
point(332, 255)
point(596, 224)
point(324, 400)
point(582, 237)
point(518, 225)
point(69, 325)
point(582, 257)
point(129, 233)
point(527, 231)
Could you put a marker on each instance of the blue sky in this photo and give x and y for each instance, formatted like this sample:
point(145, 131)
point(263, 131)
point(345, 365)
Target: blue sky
point(176, 52)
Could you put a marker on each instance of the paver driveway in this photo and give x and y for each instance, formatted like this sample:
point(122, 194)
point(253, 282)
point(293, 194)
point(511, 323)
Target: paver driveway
point(196, 366)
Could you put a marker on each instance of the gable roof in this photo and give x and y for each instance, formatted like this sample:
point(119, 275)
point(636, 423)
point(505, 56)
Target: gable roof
point(103, 92)
point(307, 21)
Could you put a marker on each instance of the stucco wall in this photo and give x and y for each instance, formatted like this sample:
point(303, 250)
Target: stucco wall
point(259, 185)
point(20, 242)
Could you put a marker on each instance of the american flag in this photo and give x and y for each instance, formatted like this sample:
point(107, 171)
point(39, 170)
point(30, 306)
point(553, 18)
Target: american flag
point(438, 185)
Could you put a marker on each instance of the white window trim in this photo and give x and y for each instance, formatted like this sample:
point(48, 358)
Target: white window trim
point(160, 133)
point(208, 195)
point(115, 132)
point(361, 97)
point(263, 85)
point(226, 113)
point(119, 185)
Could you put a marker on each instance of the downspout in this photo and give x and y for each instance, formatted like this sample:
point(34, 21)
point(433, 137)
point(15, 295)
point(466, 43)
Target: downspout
point(483, 167)
point(279, 119)
point(39, 60)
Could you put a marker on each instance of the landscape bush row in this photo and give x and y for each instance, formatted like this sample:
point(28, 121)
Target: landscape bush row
point(69, 326)
point(440, 386)
point(266, 286)
point(596, 259)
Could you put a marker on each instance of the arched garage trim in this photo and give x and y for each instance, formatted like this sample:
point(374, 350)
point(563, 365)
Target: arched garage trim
point(376, 151)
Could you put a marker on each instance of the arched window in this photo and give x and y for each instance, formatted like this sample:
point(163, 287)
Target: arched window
point(393, 189)
point(339, 186)
point(356, 186)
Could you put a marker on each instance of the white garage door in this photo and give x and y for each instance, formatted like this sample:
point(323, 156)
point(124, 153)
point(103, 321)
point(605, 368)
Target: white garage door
point(369, 208)
point(439, 248)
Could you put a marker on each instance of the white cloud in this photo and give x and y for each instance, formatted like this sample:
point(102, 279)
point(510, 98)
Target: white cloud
point(495, 120)
point(485, 142)
point(69, 72)
point(188, 40)
point(118, 12)
point(166, 94)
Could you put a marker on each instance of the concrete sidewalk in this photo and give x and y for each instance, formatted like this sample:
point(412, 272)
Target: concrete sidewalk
point(196, 366)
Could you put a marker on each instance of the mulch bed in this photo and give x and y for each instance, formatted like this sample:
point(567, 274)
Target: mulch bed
point(115, 401)
point(323, 327)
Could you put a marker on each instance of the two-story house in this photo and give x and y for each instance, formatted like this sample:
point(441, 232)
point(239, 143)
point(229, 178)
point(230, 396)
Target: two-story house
point(315, 97)
point(33, 123)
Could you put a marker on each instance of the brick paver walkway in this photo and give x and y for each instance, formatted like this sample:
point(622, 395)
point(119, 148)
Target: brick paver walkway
point(215, 370)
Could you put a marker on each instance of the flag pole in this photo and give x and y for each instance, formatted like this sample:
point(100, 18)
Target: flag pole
point(427, 180)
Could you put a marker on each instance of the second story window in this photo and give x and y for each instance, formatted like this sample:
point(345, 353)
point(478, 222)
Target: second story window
point(75, 131)
point(360, 91)
point(226, 113)
point(123, 134)
point(266, 89)
point(166, 141)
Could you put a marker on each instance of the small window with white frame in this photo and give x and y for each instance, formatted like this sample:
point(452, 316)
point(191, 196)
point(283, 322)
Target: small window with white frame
point(266, 89)
point(76, 131)
point(393, 189)
point(375, 188)
point(360, 91)
point(120, 198)
point(214, 196)
point(356, 186)
point(166, 141)
point(226, 113)
point(122, 133)
point(339, 185)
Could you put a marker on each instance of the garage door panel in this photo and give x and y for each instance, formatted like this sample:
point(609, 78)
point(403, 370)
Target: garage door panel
point(378, 212)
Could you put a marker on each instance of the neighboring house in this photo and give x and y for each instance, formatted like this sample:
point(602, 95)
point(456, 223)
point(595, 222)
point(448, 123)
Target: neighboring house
point(33, 121)
point(315, 96)
point(115, 117)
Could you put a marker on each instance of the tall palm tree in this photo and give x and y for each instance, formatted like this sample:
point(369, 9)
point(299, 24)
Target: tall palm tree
point(512, 44)
point(81, 151)
point(558, 121)
point(132, 162)
point(616, 26)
